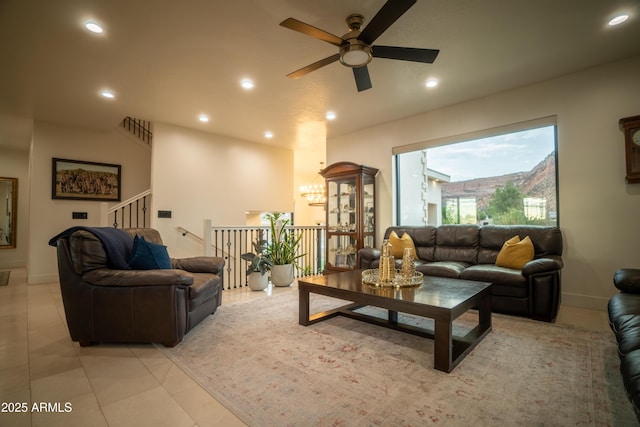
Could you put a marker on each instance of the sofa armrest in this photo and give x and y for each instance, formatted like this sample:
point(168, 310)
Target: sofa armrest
point(541, 265)
point(366, 256)
point(199, 264)
point(129, 278)
point(627, 280)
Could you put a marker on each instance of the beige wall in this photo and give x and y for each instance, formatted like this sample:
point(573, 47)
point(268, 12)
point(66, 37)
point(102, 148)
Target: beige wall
point(14, 163)
point(198, 176)
point(48, 217)
point(305, 172)
point(598, 211)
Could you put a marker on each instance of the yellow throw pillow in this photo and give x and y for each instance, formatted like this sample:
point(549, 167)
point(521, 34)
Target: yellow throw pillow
point(398, 244)
point(515, 253)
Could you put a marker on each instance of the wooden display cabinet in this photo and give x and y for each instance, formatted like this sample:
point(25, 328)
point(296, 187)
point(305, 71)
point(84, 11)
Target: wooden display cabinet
point(351, 213)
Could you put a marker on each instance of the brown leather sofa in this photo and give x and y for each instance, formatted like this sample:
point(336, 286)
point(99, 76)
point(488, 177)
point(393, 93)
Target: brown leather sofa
point(470, 251)
point(624, 319)
point(106, 304)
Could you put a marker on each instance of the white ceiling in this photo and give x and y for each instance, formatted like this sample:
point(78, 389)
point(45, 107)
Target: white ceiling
point(169, 61)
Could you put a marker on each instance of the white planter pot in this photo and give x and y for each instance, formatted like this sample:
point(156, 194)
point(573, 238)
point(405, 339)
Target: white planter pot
point(258, 281)
point(282, 275)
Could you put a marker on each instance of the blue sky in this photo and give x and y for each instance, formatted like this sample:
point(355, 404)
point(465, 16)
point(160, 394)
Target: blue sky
point(494, 156)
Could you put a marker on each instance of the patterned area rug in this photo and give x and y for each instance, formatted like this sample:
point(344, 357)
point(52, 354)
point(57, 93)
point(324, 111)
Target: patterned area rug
point(256, 360)
point(4, 277)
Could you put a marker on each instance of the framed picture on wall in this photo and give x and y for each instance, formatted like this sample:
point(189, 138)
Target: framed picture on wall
point(80, 180)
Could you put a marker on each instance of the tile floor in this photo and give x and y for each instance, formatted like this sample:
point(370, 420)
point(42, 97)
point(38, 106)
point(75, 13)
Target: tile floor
point(110, 385)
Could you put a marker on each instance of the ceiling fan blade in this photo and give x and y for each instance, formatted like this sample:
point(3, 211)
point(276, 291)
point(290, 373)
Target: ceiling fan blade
point(405, 53)
point(312, 67)
point(363, 82)
point(316, 33)
point(386, 16)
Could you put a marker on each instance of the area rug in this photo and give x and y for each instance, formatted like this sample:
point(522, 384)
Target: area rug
point(4, 277)
point(257, 361)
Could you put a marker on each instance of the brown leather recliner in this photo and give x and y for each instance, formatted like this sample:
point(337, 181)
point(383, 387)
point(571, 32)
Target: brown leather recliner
point(104, 304)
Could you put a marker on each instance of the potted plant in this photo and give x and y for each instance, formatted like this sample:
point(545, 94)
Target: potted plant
point(259, 265)
point(283, 250)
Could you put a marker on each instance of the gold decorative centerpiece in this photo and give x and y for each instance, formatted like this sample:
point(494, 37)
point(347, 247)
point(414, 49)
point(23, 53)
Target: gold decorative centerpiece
point(387, 270)
point(408, 268)
point(388, 276)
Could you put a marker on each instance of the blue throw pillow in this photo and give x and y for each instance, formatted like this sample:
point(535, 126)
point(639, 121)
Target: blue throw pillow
point(149, 256)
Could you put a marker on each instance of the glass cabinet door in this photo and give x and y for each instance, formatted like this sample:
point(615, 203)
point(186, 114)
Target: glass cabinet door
point(342, 215)
point(342, 251)
point(368, 188)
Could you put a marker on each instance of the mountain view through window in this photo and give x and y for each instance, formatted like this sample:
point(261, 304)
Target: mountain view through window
point(503, 179)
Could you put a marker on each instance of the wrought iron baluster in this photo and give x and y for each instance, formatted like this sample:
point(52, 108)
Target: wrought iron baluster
point(144, 211)
point(229, 252)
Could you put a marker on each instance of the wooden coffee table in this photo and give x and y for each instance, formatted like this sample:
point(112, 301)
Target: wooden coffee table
point(440, 299)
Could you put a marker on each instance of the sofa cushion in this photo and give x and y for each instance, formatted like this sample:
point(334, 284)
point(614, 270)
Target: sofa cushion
point(399, 244)
point(457, 243)
point(620, 307)
point(628, 334)
point(87, 252)
point(515, 253)
point(149, 256)
point(630, 370)
point(199, 264)
point(205, 286)
point(547, 241)
point(114, 243)
point(451, 269)
point(506, 281)
point(150, 234)
point(627, 280)
point(424, 239)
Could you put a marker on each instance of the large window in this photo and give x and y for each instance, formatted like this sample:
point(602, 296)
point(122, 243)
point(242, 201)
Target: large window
point(508, 177)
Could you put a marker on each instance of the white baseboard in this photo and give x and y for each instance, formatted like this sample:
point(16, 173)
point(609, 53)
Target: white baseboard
point(585, 301)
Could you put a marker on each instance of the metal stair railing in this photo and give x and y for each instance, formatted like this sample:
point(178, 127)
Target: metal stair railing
point(231, 242)
point(132, 213)
point(141, 129)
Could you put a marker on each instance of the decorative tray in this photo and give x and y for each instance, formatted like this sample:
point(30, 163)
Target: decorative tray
point(372, 277)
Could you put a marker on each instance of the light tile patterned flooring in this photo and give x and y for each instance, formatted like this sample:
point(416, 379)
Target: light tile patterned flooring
point(112, 385)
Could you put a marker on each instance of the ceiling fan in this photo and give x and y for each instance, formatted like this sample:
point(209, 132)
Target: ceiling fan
point(356, 47)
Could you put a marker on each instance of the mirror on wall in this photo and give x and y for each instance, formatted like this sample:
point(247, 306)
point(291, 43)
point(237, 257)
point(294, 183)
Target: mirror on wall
point(8, 212)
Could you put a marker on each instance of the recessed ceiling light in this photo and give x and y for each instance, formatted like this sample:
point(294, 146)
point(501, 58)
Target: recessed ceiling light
point(107, 94)
point(330, 115)
point(617, 20)
point(431, 83)
point(268, 134)
point(203, 118)
point(93, 27)
point(247, 84)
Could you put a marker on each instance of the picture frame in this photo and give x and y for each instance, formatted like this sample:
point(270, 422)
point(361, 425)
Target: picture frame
point(83, 180)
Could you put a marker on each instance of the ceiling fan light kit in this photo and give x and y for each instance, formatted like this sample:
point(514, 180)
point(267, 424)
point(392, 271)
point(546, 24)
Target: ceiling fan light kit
point(355, 55)
point(356, 48)
point(354, 52)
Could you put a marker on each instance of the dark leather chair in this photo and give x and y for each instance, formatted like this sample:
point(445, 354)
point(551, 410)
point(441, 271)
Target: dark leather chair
point(624, 319)
point(104, 304)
